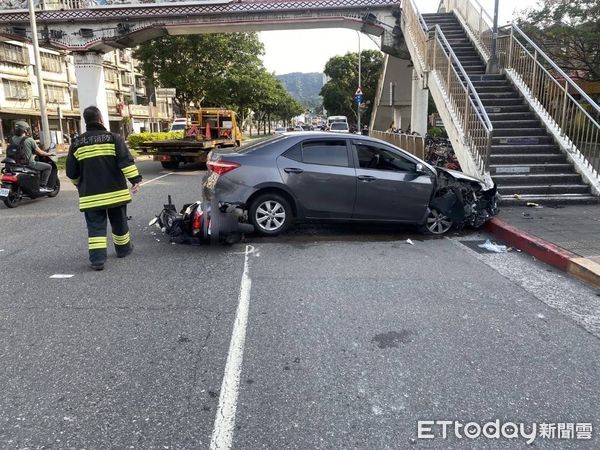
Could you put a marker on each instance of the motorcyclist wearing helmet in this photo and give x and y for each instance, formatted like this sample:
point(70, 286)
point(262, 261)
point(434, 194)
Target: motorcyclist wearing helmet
point(31, 149)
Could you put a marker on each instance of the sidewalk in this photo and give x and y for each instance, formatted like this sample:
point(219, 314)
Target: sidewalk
point(566, 237)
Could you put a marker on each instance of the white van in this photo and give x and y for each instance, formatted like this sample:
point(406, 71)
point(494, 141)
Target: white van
point(333, 119)
point(178, 124)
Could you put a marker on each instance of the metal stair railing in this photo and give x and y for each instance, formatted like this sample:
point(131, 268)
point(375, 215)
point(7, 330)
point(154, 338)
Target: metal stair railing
point(438, 57)
point(576, 119)
point(477, 19)
point(462, 98)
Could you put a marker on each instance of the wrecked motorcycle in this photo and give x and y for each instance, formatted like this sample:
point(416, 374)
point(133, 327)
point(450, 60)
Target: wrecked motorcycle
point(197, 224)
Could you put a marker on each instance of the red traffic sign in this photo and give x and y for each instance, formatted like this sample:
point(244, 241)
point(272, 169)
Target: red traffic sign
point(358, 92)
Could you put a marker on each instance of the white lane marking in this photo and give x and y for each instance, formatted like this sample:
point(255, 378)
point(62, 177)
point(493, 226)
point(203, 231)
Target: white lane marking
point(157, 178)
point(222, 436)
point(61, 275)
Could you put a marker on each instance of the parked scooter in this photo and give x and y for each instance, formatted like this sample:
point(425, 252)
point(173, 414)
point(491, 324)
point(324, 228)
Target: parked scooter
point(196, 224)
point(19, 181)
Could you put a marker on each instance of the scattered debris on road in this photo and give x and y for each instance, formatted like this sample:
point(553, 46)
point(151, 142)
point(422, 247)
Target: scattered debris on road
point(493, 248)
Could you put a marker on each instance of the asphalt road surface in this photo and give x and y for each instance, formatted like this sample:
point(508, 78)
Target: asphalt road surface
point(330, 337)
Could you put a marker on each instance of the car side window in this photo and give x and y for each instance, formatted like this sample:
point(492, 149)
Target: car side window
point(294, 153)
point(326, 153)
point(379, 158)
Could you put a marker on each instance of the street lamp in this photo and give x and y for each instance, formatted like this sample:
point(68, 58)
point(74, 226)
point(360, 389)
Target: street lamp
point(359, 83)
point(492, 65)
point(40, 80)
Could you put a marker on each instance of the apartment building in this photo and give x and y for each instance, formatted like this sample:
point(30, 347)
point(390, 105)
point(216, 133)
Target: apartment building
point(125, 89)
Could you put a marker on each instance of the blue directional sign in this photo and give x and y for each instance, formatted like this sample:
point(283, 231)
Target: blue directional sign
point(358, 96)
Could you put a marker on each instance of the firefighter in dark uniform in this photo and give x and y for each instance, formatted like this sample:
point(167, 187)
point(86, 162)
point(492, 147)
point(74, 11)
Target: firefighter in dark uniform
point(100, 164)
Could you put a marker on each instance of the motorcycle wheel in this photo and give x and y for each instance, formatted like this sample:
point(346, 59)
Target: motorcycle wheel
point(13, 199)
point(56, 190)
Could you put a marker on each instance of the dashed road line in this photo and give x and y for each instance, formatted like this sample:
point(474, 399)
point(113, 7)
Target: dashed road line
point(156, 178)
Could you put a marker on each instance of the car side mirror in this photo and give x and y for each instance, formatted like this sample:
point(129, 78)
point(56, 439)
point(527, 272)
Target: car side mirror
point(420, 169)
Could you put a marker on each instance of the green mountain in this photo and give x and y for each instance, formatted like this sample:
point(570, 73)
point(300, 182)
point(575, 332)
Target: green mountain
point(304, 87)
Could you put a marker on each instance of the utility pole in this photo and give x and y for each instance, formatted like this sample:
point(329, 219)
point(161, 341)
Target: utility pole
point(492, 65)
point(359, 83)
point(45, 136)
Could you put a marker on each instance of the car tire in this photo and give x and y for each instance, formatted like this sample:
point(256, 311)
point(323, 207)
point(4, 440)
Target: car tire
point(270, 214)
point(170, 165)
point(436, 223)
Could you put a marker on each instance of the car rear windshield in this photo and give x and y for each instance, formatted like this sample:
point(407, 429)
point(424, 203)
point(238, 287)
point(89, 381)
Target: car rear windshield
point(339, 126)
point(250, 147)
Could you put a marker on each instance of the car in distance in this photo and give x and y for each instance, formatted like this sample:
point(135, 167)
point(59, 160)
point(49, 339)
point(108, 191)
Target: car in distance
point(178, 124)
point(280, 130)
point(334, 177)
point(339, 127)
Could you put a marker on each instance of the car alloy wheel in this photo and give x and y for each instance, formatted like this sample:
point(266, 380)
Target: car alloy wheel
point(270, 216)
point(438, 223)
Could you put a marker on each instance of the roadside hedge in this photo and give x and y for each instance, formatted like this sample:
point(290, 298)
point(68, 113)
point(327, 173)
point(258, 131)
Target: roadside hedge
point(134, 140)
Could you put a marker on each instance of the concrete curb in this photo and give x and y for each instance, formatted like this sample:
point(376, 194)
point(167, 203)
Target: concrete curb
point(582, 268)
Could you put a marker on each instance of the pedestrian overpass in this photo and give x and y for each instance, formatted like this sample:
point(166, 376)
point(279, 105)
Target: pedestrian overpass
point(530, 127)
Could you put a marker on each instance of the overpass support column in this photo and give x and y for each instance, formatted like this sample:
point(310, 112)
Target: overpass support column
point(420, 102)
point(91, 88)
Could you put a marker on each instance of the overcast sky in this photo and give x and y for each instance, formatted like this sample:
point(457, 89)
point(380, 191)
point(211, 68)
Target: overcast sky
point(309, 50)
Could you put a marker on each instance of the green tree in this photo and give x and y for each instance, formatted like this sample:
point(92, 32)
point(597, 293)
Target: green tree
point(338, 92)
point(203, 68)
point(569, 32)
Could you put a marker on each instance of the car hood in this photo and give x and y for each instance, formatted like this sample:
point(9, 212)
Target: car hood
point(460, 175)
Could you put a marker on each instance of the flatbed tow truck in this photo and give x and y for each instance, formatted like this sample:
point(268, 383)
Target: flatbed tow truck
point(206, 129)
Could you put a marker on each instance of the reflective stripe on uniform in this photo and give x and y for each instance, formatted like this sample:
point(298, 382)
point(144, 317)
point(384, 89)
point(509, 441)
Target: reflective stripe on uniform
point(130, 171)
point(121, 240)
point(91, 151)
point(97, 243)
point(106, 199)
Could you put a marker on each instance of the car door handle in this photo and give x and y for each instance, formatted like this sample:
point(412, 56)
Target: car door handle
point(366, 178)
point(292, 170)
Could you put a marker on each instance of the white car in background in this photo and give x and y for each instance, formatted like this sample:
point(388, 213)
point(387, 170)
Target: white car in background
point(178, 124)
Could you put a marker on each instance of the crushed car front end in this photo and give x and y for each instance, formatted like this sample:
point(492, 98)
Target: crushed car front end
point(467, 201)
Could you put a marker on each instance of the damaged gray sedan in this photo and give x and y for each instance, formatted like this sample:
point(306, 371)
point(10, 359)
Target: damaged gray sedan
point(325, 177)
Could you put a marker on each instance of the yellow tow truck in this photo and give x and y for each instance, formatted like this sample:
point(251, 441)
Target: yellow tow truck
point(206, 129)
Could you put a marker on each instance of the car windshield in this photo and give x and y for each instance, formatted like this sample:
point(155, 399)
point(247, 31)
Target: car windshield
point(178, 126)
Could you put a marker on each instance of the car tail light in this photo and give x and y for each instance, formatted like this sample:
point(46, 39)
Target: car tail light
point(221, 167)
point(9, 178)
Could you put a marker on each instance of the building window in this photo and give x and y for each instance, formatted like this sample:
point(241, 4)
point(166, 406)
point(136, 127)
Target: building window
point(126, 79)
point(75, 97)
point(18, 90)
point(55, 94)
point(139, 82)
point(124, 56)
point(111, 98)
point(110, 75)
point(52, 63)
point(13, 54)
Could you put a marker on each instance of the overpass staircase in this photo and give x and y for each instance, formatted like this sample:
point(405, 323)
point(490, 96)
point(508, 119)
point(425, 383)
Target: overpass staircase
point(511, 126)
